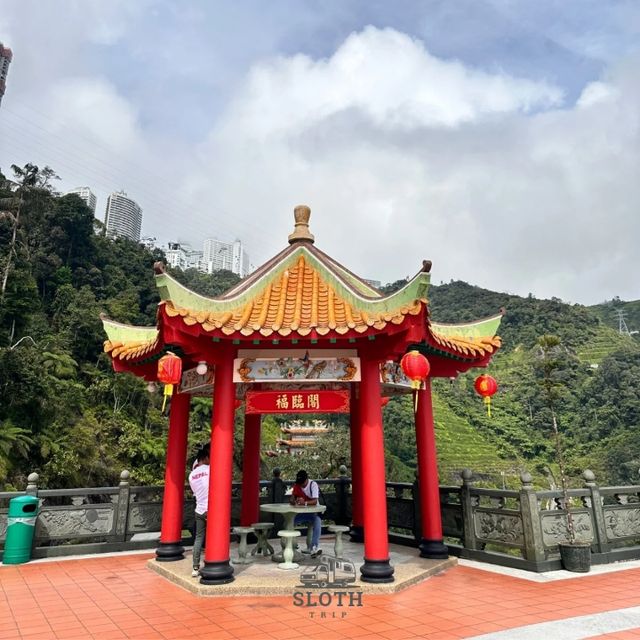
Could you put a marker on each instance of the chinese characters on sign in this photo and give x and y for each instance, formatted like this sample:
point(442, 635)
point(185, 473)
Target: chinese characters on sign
point(297, 402)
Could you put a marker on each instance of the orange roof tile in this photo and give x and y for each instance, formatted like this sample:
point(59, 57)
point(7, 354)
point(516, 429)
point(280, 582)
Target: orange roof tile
point(129, 350)
point(298, 299)
point(471, 347)
point(297, 443)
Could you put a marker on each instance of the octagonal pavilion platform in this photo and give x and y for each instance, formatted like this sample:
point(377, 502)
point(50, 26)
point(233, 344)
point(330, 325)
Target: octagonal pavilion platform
point(263, 577)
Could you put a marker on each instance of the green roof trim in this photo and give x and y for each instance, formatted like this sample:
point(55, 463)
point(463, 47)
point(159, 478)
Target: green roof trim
point(477, 329)
point(118, 332)
point(344, 284)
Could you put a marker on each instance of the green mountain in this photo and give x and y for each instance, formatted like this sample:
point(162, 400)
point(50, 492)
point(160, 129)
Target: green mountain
point(65, 414)
point(609, 314)
point(600, 403)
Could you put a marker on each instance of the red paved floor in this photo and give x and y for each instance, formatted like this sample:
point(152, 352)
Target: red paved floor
point(118, 597)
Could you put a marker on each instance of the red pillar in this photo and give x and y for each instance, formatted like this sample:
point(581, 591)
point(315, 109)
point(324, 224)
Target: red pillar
point(251, 471)
point(357, 530)
point(431, 545)
point(376, 567)
point(217, 569)
point(170, 547)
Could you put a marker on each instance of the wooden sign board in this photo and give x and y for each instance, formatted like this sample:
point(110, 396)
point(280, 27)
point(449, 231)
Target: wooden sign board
point(195, 384)
point(302, 369)
point(297, 401)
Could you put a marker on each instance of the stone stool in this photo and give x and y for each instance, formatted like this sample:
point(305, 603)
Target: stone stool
point(287, 538)
point(243, 532)
point(338, 529)
point(309, 527)
point(263, 547)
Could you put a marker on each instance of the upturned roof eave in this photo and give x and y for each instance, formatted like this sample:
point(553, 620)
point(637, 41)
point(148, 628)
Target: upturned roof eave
point(120, 332)
point(171, 290)
point(478, 328)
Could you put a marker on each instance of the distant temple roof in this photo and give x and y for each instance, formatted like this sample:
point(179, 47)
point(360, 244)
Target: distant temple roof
point(302, 294)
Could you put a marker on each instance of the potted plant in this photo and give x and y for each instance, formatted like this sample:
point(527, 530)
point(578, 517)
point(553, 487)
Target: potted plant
point(575, 554)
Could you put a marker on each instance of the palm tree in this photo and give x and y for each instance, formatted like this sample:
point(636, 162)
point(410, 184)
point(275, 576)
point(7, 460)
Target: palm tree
point(14, 439)
point(59, 365)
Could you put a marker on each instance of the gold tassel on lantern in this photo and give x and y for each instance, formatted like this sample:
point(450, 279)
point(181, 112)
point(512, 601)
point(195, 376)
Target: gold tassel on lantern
point(170, 374)
point(168, 392)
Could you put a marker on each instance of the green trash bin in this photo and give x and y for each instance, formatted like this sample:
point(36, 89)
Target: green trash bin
point(21, 524)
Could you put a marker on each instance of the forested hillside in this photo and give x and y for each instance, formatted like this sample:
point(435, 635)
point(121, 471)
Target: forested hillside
point(65, 414)
point(609, 313)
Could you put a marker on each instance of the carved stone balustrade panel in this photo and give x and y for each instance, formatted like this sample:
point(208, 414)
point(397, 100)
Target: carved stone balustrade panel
point(622, 523)
point(452, 522)
point(144, 518)
point(498, 527)
point(399, 512)
point(188, 517)
point(554, 527)
point(65, 522)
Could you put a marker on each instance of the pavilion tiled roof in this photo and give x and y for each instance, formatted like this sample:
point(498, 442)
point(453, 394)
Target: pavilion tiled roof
point(300, 296)
point(300, 293)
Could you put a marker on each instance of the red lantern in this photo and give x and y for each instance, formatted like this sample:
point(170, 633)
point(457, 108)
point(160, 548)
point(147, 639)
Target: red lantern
point(169, 373)
point(416, 367)
point(486, 386)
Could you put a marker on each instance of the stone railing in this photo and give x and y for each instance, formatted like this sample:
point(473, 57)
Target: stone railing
point(520, 528)
point(101, 519)
point(523, 528)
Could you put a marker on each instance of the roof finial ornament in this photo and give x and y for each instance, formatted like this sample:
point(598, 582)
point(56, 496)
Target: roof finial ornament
point(301, 232)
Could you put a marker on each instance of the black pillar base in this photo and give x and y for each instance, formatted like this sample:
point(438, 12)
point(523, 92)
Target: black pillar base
point(169, 552)
point(216, 573)
point(356, 533)
point(434, 549)
point(376, 571)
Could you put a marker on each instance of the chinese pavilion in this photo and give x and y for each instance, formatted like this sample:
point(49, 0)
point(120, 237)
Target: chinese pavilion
point(302, 334)
point(296, 436)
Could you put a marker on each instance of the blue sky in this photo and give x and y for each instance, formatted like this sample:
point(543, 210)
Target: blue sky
point(566, 43)
point(498, 138)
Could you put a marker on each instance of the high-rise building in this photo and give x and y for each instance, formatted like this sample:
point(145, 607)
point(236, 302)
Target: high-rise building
point(231, 256)
point(123, 216)
point(180, 254)
point(175, 255)
point(6, 55)
point(87, 195)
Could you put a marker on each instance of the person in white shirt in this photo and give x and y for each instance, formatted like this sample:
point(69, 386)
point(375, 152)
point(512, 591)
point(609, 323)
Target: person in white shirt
point(199, 483)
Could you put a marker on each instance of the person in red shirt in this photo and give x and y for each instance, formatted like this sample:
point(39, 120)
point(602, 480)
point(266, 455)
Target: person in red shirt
point(307, 493)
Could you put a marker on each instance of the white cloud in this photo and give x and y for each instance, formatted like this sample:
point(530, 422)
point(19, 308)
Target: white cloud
point(596, 92)
point(403, 156)
point(95, 110)
point(388, 77)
